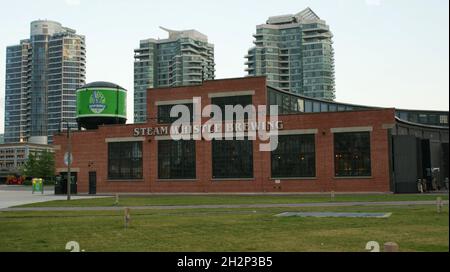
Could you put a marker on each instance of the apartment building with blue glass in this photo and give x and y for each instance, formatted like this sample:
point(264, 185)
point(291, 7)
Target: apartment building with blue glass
point(42, 74)
point(184, 58)
point(295, 52)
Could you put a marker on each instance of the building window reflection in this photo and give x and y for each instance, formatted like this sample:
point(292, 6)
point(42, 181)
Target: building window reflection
point(232, 159)
point(176, 159)
point(125, 160)
point(352, 154)
point(294, 157)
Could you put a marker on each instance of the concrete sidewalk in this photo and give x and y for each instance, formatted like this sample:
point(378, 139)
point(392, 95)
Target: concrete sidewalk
point(13, 195)
point(300, 205)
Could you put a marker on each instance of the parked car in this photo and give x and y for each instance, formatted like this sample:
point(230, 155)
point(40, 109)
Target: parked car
point(15, 180)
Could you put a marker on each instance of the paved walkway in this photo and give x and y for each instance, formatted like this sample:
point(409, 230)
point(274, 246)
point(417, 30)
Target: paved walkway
point(21, 195)
point(299, 205)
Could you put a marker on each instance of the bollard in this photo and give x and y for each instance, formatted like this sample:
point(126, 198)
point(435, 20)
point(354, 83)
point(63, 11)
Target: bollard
point(439, 204)
point(127, 217)
point(390, 247)
point(117, 200)
point(332, 195)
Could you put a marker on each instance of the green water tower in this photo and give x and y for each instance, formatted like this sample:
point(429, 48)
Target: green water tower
point(101, 103)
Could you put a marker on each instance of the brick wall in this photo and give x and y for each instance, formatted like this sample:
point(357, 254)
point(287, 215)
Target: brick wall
point(90, 149)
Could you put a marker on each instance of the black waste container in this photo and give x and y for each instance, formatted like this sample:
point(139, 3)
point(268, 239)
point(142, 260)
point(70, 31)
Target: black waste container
point(58, 186)
point(73, 187)
point(61, 186)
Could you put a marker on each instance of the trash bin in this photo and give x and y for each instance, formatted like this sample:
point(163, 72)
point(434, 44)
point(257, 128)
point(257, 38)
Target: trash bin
point(58, 186)
point(37, 185)
point(61, 186)
point(73, 186)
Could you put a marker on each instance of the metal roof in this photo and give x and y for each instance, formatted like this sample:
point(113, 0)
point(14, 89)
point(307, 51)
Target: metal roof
point(369, 107)
point(104, 84)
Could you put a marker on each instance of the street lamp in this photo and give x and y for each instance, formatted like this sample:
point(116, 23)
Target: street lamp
point(69, 158)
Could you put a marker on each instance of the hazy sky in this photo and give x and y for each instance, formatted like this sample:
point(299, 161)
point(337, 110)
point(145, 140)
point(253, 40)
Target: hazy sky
point(392, 53)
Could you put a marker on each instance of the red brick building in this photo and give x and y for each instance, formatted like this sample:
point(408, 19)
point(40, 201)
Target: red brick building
point(323, 146)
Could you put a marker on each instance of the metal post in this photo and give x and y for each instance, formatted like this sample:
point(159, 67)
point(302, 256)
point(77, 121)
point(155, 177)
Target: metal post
point(127, 217)
point(69, 161)
point(439, 204)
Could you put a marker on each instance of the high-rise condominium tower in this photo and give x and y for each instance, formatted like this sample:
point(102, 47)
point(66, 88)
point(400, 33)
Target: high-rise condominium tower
point(42, 74)
point(185, 58)
point(295, 53)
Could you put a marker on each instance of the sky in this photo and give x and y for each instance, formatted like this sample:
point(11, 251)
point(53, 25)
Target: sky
point(388, 53)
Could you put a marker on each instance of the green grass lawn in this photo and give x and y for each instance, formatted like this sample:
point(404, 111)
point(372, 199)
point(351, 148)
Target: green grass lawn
point(228, 199)
point(414, 228)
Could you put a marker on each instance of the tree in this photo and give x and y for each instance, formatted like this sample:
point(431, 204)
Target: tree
point(47, 164)
point(30, 167)
point(40, 164)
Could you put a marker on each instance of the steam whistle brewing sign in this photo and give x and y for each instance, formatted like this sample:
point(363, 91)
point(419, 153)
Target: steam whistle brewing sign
point(258, 124)
point(97, 102)
point(209, 128)
point(149, 131)
point(101, 102)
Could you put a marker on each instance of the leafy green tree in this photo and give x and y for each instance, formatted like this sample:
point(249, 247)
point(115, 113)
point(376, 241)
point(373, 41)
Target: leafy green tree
point(30, 167)
point(40, 165)
point(47, 164)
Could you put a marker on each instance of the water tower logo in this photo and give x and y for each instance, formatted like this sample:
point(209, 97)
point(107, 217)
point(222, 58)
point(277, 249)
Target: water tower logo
point(97, 102)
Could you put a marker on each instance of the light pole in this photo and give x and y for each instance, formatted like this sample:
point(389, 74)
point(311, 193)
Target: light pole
point(69, 159)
